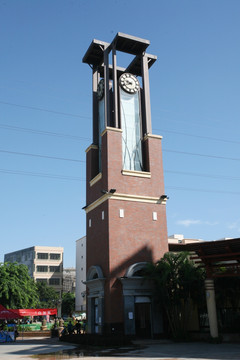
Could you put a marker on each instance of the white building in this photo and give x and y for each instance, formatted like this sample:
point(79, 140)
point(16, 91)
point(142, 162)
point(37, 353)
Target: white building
point(80, 304)
point(45, 264)
point(180, 239)
point(69, 280)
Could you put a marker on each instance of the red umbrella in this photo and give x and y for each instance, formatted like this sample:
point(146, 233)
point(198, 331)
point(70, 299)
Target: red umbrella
point(8, 314)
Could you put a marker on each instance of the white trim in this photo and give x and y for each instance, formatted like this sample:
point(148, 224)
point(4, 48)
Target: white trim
point(143, 174)
point(147, 136)
point(124, 197)
point(95, 179)
point(92, 146)
point(108, 128)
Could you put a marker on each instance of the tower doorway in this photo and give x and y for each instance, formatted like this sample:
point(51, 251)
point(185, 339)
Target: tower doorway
point(143, 319)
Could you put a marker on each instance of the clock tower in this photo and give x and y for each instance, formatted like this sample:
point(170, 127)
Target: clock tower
point(125, 200)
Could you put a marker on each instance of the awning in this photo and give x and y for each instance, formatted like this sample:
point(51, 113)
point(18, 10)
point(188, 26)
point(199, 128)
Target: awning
point(34, 312)
point(8, 314)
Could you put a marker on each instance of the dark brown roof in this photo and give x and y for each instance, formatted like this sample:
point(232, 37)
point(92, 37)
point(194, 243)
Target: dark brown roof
point(214, 255)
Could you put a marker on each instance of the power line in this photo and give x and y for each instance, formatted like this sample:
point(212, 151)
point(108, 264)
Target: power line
point(203, 155)
point(61, 177)
point(203, 190)
point(88, 117)
point(41, 132)
point(199, 136)
point(202, 175)
point(45, 175)
point(74, 137)
point(41, 156)
point(83, 161)
point(46, 110)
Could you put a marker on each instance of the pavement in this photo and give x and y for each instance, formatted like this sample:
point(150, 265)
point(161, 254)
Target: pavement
point(52, 348)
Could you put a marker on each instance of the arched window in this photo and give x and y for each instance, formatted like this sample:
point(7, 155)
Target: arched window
point(94, 272)
point(136, 270)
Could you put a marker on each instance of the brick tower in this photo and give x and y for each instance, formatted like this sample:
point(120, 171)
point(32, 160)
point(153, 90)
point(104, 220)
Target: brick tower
point(125, 201)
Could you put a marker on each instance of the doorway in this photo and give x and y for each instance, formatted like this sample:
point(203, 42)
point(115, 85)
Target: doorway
point(143, 320)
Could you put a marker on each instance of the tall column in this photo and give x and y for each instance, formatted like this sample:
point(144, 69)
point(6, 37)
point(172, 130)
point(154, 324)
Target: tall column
point(115, 89)
point(211, 307)
point(147, 126)
point(106, 88)
point(95, 80)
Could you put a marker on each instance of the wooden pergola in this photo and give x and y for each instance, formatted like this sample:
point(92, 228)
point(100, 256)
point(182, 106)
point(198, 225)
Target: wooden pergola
point(220, 258)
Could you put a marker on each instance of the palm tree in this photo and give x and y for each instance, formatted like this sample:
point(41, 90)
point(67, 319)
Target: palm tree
point(179, 285)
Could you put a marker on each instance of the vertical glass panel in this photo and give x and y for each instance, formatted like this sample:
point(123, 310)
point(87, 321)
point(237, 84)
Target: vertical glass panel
point(101, 127)
point(131, 131)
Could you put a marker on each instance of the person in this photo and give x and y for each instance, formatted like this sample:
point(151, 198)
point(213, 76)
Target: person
point(84, 326)
point(16, 333)
point(70, 327)
point(64, 331)
point(78, 327)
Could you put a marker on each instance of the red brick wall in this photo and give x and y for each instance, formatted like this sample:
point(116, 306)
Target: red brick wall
point(116, 243)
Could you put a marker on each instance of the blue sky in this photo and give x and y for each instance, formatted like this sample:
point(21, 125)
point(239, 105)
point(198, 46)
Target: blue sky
point(45, 110)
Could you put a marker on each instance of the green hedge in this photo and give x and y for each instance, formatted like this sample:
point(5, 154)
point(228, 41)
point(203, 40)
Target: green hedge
point(33, 327)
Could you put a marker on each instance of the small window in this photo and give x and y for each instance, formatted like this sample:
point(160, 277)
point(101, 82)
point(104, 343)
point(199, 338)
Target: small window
point(42, 280)
point(121, 213)
point(42, 256)
point(55, 256)
point(42, 268)
point(154, 216)
point(54, 281)
point(89, 222)
point(102, 215)
point(54, 268)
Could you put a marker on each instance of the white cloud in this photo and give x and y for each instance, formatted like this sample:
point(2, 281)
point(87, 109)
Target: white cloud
point(213, 223)
point(188, 222)
point(235, 225)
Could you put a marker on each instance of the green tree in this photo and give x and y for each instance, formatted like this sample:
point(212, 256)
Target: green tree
point(48, 297)
point(17, 289)
point(68, 303)
point(179, 284)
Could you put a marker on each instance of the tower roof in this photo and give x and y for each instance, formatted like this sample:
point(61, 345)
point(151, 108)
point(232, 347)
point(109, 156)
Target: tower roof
point(122, 42)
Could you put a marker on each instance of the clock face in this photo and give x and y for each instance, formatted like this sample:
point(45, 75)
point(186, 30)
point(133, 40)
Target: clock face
point(129, 83)
point(100, 89)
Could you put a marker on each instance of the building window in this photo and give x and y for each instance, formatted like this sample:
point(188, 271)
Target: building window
point(42, 268)
point(54, 281)
point(154, 216)
point(89, 222)
point(102, 215)
point(42, 256)
point(42, 280)
point(55, 256)
point(121, 213)
point(54, 268)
